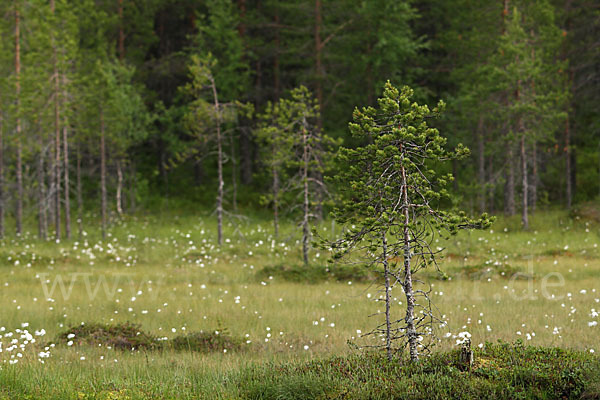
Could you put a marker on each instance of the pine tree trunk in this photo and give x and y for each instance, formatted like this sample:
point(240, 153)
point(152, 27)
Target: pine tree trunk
point(492, 183)
point(306, 206)
point(19, 150)
point(411, 332)
point(42, 234)
point(103, 175)
point(534, 178)
point(276, 201)
point(388, 319)
point(509, 192)
point(569, 189)
point(481, 164)
point(57, 133)
point(132, 187)
point(119, 199)
point(524, 215)
point(233, 174)
point(79, 195)
point(67, 182)
point(219, 164)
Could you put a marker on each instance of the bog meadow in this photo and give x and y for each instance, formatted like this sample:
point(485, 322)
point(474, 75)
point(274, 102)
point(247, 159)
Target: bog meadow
point(299, 199)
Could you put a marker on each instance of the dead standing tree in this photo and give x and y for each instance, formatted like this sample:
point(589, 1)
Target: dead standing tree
point(206, 118)
point(391, 208)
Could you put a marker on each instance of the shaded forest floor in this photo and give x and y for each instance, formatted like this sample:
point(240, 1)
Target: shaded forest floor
point(246, 320)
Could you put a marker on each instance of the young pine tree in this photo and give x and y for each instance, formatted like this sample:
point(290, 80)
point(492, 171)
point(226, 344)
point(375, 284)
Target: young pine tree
point(391, 206)
point(295, 149)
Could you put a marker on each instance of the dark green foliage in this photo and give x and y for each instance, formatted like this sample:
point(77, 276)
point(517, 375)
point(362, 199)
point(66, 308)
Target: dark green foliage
point(123, 336)
point(500, 371)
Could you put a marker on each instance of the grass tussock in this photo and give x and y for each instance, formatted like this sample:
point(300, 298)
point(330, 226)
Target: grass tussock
point(500, 371)
point(128, 336)
point(124, 336)
point(485, 271)
point(313, 273)
point(586, 212)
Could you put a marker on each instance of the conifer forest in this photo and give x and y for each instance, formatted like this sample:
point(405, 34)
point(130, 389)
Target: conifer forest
point(299, 199)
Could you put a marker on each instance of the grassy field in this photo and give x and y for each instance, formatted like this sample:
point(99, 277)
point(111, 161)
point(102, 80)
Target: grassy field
point(167, 275)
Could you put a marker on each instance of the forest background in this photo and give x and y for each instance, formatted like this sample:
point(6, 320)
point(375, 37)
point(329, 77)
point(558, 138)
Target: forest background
point(97, 101)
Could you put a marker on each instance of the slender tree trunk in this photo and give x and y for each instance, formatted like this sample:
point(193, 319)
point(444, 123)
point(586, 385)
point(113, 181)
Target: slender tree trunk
point(481, 164)
point(103, 175)
point(2, 199)
point(119, 199)
point(569, 189)
point(276, 201)
point(219, 164)
point(233, 174)
point(19, 155)
point(492, 183)
point(306, 205)
point(388, 319)
point(67, 182)
point(524, 215)
point(79, 195)
point(57, 133)
point(509, 193)
point(521, 128)
point(534, 178)
point(42, 233)
point(533, 185)
point(411, 332)
point(132, 187)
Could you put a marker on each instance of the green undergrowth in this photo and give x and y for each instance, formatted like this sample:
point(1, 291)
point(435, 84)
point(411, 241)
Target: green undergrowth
point(499, 371)
point(317, 273)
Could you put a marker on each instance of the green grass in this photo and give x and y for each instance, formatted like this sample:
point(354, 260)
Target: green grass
point(167, 275)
